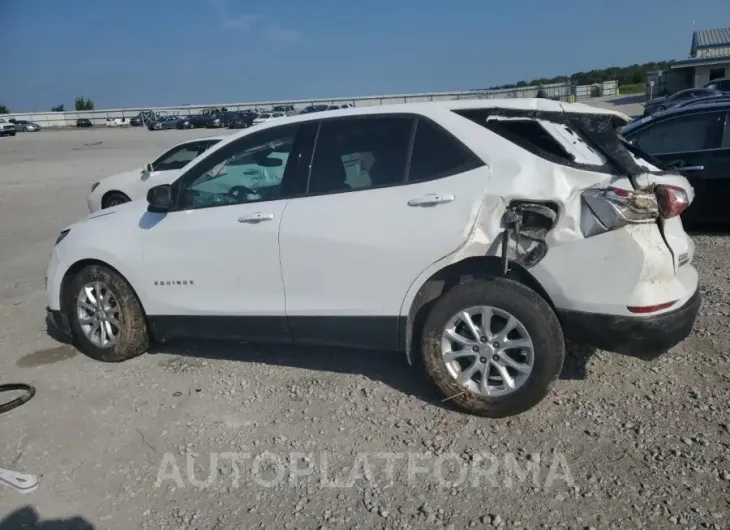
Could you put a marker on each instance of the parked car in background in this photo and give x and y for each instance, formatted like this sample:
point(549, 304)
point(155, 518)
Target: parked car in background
point(116, 122)
point(162, 123)
point(705, 101)
point(663, 103)
point(84, 122)
point(7, 128)
point(25, 126)
point(286, 109)
point(695, 140)
point(220, 120)
point(268, 116)
point(313, 108)
point(383, 229)
point(242, 119)
point(133, 185)
point(722, 84)
point(142, 118)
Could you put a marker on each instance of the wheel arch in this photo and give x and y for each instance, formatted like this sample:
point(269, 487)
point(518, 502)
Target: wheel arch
point(474, 267)
point(76, 268)
point(109, 193)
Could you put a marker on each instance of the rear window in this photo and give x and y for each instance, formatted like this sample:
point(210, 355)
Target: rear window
point(583, 141)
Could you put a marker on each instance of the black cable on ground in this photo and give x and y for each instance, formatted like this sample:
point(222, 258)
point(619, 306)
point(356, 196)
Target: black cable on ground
point(10, 405)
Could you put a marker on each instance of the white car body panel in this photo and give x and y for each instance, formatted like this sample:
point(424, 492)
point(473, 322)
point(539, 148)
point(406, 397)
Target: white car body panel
point(367, 253)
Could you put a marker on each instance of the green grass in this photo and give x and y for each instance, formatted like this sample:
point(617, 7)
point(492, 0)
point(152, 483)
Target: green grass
point(637, 88)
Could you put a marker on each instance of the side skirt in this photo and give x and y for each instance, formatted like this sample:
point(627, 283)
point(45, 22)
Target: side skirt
point(376, 333)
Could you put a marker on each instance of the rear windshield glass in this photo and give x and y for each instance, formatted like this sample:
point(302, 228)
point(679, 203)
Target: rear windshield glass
point(584, 141)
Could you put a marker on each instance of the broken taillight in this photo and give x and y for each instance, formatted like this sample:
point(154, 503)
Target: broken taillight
point(611, 208)
point(672, 200)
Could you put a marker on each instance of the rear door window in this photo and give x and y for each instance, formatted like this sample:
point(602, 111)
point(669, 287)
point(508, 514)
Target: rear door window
point(697, 132)
point(360, 153)
point(437, 154)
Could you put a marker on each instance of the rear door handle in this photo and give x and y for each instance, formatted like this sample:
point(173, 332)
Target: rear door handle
point(256, 218)
point(432, 199)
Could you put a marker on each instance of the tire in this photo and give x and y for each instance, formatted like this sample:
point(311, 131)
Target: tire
point(114, 198)
point(131, 338)
point(536, 318)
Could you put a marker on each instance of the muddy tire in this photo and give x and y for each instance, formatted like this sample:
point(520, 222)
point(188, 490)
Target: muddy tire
point(513, 364)
point(107, 319)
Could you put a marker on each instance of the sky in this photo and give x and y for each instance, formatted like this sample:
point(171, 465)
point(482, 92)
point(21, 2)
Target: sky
point(139, 53)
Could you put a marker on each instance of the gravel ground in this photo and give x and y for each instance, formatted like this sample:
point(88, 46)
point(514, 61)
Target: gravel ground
point(620, 443)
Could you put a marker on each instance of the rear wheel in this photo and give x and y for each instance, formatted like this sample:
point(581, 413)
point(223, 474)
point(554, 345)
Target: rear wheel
point(114, 198)
point(493, 347)
point(106, 317)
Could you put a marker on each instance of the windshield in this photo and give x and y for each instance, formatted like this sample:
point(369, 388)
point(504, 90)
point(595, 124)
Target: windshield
point(265, 116)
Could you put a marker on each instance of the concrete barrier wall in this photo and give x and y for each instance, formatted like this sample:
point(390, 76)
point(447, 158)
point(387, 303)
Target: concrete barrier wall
point(564, 92)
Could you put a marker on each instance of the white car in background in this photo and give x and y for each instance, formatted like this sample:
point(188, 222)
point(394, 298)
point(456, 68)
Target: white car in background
point(473, 236)
point(133, 185)
point(268, 116)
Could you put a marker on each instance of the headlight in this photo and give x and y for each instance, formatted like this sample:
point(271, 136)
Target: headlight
point(62, 235)
point(94, 186)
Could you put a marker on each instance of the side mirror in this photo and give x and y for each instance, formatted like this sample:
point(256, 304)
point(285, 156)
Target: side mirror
point(147, 168)
point(159, 198)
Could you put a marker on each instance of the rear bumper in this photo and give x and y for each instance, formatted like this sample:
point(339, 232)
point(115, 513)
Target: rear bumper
point(642, 337)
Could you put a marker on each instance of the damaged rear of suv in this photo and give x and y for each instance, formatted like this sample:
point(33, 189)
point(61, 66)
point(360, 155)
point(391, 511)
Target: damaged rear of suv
point(586, 243)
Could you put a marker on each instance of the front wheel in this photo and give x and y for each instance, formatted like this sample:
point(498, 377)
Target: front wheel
point(106, 317)
point(493, 348)
point(115, 198)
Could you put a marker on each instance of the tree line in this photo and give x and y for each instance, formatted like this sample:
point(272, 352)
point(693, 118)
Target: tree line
point(625, 75)
point(80, 103)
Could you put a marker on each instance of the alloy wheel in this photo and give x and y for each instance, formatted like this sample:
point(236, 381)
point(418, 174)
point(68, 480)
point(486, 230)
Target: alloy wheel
point(487, 350)
point(99, 314)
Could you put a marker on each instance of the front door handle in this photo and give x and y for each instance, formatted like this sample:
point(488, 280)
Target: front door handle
point(432, 199)
point(256, 218)
point(691, 168)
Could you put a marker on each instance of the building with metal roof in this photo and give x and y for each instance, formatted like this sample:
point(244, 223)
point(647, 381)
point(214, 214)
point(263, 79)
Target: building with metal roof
point(709, 59)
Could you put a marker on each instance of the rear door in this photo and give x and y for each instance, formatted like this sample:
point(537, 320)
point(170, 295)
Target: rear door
point(374, 219)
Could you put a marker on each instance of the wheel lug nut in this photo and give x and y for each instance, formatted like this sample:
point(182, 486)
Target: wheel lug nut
point(483, 339)
point(495, 357)
point(482, 360)
point(496, 344)
point(475, 349)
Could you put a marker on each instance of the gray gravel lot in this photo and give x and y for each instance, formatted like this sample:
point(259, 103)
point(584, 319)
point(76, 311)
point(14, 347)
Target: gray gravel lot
point(620, 443)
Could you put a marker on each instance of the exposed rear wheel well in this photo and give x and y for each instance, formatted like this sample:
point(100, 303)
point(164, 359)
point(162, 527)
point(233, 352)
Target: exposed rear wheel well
point(480, 267)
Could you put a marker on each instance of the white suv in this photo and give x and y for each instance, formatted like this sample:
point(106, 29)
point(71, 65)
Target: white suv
point(132, 185)
point(472, 236)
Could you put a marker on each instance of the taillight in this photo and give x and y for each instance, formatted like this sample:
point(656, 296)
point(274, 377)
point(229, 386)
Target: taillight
point(672, 200)
point(611, 208)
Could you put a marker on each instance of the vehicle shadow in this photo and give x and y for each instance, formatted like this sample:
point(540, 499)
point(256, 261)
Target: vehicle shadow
point(27, 517)
point(390, 368)
point(717, 230)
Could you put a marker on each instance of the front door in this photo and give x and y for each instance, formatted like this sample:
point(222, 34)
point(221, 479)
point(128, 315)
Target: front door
point(213, 262)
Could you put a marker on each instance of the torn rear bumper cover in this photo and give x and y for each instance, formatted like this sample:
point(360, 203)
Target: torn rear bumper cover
point(642, 337)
